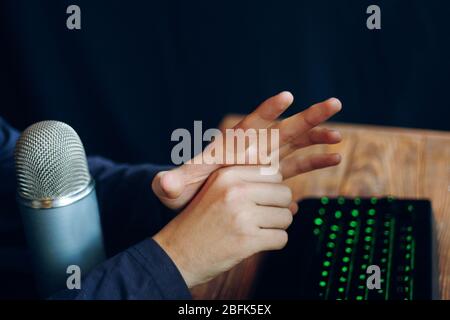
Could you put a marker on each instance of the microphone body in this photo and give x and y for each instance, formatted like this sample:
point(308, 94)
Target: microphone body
point(58, 204)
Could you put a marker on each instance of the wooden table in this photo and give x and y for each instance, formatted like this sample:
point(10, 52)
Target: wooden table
point(376, 161)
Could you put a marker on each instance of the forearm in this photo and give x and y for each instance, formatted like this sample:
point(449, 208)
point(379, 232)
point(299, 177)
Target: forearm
point(143, 271)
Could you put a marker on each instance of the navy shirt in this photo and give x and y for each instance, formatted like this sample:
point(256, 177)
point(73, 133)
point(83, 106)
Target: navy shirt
point(137, 268)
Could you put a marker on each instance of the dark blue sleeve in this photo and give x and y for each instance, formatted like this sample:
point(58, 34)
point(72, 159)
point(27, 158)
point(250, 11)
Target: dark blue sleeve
point(137, 267)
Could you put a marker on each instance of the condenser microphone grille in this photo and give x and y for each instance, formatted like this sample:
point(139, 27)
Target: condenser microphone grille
point(50, 162)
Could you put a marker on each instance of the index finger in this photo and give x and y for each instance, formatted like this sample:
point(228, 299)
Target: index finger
point(267, 112)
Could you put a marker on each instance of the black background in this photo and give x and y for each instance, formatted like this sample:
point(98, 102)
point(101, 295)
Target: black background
point(139, 69)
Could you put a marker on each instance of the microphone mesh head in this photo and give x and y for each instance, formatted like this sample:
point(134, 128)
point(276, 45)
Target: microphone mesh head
point(50, 162)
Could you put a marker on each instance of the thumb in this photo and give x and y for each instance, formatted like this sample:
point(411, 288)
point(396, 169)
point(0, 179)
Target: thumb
point(168, 184)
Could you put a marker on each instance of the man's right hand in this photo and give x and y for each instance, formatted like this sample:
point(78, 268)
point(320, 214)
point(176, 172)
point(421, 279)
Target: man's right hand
point(238, 212)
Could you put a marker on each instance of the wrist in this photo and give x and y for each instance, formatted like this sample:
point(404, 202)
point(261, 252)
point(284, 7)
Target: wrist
point(178, 258)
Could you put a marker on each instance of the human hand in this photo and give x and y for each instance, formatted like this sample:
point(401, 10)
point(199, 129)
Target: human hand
point(177, 187)
point(238, 212)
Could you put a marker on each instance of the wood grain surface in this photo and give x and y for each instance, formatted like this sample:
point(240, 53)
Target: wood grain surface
point(376, 161)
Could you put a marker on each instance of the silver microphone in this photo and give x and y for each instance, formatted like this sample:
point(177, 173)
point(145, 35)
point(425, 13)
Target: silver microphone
point(57, 200)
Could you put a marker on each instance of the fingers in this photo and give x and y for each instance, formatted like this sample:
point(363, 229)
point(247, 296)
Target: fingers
point(300, 123)
point(295, 165)
point(312, 137)
point(251, 174)
point(273, 217)
point(267, 112)
point(168, 184)
point(272, 239)
point(264, 194)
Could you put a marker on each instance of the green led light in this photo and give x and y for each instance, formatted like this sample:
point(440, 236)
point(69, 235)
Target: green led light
point(406, 278)
point(369, 230)
point(330, 245)
point(407, 268)
point(338, 214)
point(359, 297)
point(351, 232)
point(409, 238)
point(386, 233)
point(341, 289)
point(383, 260)
point(373, 200)
point(324, 273)
point(387, 224)
point(326, 263)
point(366, 257)
point(410, 208)
point(332, 236)
point(385, 241)
point(385, 250)
point(329, 254)
point(322, 284)
point(322, 211)
point(348, 250)
point(407, 256)
point(316, 231)
point(409, 229)
point(368, 238)
point(362, 276)
point(355, 213)
point(349, 241)
point(318, 221)
point(408, 247)
point(345, 259)
point(334, 228)
point(353, 224)
point(380, 291)
point(342, 279)
point(361, 287)
point(371, 212)
point(364, 266)
point(324, 200)
point(370, 222)
point(344, 269)
point(357, 201)
point(341, 200)
point(367, 247)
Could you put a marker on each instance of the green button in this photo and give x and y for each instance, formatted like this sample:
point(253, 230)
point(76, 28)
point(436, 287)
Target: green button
point(387, 224)
point(322, 284)
point(410, 208)
point(370, 222)
point(367, 247)
point(338, 214)
point(355, 213)
point(348, 250)
point(349, 241)
point(357, 201)
point(369, 230)
point(324, 200)
point(368, 238)
point(371, 212)
point(345, 259)
point(332, 236)
point(341, 200)
point(351, 232)
point(344, 269)
point(362, 276)
point(324, 273)
point(316, 231)
point(341, 289)
point(330, 245)
point(318, 221)
point(326, 263)
point(359, 297)
point(334, 228)
point(373, 200)
point(322, 211)
point(353, 224)
point(342, 279)
point(329, 254)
